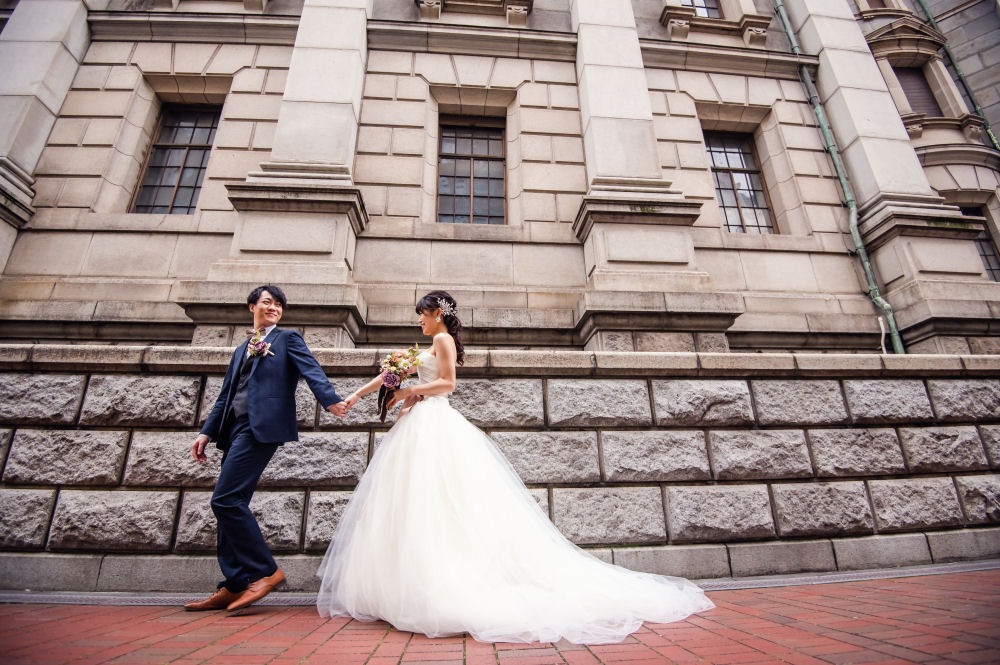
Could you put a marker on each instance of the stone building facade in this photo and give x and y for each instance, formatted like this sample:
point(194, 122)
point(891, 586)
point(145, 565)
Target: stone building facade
point(605, 222)
point(590, 179)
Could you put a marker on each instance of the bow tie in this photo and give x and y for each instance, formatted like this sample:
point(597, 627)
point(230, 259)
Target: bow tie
point(254, 331)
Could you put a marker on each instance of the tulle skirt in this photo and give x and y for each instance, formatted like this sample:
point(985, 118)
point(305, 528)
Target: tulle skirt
point(441, 537)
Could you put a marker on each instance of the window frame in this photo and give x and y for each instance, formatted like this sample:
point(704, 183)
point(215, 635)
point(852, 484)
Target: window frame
point(155, 143)
point(466, 122)
point(747, 139)
point(985, 237)
point(912, 75)
point(719, 14)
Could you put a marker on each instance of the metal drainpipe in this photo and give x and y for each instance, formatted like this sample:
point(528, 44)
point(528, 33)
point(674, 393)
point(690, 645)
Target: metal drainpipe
point(961, 77)
point(845, 186)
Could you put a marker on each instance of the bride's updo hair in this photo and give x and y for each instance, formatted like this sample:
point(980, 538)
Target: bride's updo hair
point(429, 303)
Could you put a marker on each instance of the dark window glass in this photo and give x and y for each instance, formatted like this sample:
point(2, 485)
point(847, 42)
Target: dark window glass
point(177, 161)
point(706, 8)
point(738, 184)
point(984, 243)
point(918, 91)
point(876, 4)
point(471, 175)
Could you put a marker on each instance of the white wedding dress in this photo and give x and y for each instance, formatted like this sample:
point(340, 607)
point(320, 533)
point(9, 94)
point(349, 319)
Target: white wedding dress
point(441, 537)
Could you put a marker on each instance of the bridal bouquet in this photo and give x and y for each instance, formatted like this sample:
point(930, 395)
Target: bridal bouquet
point(395, 368)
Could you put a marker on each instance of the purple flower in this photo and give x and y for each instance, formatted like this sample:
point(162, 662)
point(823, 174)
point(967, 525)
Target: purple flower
point(390, 380)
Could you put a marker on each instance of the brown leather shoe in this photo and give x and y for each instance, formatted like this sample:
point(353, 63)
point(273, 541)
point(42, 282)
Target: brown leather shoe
point(258, 590)
point(217, 601)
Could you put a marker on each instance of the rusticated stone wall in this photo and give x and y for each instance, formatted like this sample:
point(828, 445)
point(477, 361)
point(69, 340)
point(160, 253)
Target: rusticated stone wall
point(702, 465)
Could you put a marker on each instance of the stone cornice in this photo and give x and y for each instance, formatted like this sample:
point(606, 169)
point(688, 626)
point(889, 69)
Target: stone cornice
point(906, 42)
point(959, 153)
point(633, 210)
point(472, 40)
point(297, 197)
point(192, 27)
point(724, 59)
point(437, 38)
point(214, 360)
point(884, 218)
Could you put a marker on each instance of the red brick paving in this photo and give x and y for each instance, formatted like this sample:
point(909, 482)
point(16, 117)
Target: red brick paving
point(952, 618)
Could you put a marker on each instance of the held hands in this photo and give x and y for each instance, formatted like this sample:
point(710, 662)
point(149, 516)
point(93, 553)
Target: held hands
point(339, 409)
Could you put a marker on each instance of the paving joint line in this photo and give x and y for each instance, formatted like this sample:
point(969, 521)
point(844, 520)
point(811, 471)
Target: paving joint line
point(292, 598)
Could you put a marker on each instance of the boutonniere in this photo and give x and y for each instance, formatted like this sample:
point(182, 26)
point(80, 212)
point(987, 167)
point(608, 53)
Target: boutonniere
point(257, 346)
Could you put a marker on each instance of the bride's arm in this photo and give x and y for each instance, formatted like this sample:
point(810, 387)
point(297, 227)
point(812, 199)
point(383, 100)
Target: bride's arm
point(369, 387)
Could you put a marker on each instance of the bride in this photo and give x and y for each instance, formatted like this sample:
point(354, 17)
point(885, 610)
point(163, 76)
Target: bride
point(441, 537)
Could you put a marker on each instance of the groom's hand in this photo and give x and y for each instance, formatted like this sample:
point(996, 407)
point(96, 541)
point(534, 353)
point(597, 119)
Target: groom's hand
point(198, 448)
point(339, 409)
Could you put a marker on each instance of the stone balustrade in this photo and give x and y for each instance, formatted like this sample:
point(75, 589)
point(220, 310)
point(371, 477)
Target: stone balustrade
point(701, 465)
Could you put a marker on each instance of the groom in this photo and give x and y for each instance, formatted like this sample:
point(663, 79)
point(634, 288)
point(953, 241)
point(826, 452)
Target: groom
point(255, 413)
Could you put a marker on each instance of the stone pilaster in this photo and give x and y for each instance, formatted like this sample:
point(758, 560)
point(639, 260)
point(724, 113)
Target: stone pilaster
point(300, 213)
point(44, 40)
point(633, 225)
point(318, 121)
point(921, 247)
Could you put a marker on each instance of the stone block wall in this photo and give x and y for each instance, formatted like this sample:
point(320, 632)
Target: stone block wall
point(701, 465)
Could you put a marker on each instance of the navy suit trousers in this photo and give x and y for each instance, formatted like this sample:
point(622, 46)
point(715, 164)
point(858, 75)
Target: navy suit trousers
point(243, 554)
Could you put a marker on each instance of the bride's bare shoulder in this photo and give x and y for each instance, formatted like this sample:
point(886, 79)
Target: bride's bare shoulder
point(443, 338)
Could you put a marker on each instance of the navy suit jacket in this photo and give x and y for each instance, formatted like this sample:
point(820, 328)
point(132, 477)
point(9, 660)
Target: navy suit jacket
point(271, 390)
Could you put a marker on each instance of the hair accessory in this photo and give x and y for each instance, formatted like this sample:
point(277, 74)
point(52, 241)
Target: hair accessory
point(446, 307)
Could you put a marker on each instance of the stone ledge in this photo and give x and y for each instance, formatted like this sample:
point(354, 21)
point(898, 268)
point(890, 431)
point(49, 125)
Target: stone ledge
point(192, 359)
point(882, 551)
point(690, 561)
point(42, 571)
point(780, 558)
point(965, 544)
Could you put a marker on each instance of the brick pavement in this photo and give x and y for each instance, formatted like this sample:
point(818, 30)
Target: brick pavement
point(950, 618)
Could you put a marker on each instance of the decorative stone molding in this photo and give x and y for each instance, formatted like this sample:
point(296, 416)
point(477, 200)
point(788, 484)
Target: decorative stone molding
point(755, 37)
point(224, 303)
point(470, 40)
point(681, 21)
point(969, 126)
point(906, 42)
point(298, 197)
point(976, 155)
point(709, 58)
point(633, 201)
point(884, 218)
point(678, 28)
point(516, 11)
point(429, 9)
point(194, 27)
point(16, 194)
point(914, 123)
point(677, 20)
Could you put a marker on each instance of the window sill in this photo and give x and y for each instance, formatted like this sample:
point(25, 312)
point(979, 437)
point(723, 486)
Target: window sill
point(680, 22)
point(530, 232)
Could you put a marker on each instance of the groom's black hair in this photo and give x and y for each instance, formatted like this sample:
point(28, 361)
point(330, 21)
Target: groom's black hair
point(275, 291)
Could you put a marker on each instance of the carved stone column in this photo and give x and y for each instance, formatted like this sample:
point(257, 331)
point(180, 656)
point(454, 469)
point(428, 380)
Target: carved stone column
point(43, 43)
point(633, 225)
point(300, 214)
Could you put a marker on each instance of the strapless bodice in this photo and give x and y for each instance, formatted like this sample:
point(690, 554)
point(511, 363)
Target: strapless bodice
point(427, 370)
